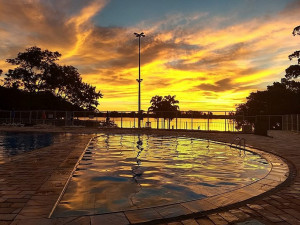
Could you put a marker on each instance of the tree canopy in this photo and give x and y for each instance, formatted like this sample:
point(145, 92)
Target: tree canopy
point(164, 106)
point(281, 97)
point(37, 71)
point(294, 70)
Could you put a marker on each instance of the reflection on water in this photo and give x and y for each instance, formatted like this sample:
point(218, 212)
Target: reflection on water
point(14, 143)
point(137, 171)
point(121, 172)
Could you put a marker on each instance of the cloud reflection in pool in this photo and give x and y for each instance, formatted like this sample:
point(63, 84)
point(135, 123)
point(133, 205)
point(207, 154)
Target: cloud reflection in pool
point(122, 172)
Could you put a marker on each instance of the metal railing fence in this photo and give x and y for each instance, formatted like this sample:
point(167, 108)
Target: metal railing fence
point(188, 120)
point(291, 122)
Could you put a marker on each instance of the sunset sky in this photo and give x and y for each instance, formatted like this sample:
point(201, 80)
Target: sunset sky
point(210, 54)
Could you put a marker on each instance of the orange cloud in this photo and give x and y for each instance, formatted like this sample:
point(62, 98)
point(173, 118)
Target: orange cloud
point(206, 64)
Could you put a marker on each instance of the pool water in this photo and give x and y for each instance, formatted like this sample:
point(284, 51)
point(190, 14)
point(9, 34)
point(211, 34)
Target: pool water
point(123, 172)
point(15, 143)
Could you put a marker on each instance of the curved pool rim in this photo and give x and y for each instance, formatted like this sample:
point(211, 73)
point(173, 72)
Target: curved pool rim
point(277, 176)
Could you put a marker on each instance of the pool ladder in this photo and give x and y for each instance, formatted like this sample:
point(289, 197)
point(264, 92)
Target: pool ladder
point(240, 143)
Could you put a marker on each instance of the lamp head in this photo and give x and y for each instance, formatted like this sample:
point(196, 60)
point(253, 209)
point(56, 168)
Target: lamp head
point(139, 35)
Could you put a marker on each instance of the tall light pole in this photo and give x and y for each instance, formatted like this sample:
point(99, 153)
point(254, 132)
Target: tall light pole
point(139, 80)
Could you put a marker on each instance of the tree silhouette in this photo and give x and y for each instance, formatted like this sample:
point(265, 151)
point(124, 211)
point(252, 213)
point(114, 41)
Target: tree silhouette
point(164, 104)
point(296, 30)
point(279, 99)
point(37, 71)
point(164, 107)
point(32, 66)
point(294, 70)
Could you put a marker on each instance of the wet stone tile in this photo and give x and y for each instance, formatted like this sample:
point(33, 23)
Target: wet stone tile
point(142, 215)
point(7, 216)
point(199, 205)
point(84, 220)
point(293, 213)
point(290, 219)
point(239, 213)
point(172, 211)
point(228, 216)
point(204, 221)
point(37, 221)
point(217, 219)
point(112, 219)
point(16, 200)
point(7, 210)
point(230, 198)
point(250, 222)
point(189, 222)
point(250, 190)
point(221, 201)
point(175, 223)
point(270, 182)
point(270, 216)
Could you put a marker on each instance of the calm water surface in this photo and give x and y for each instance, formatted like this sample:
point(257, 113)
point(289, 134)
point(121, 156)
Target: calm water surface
point(122, 172)
point(14, 143)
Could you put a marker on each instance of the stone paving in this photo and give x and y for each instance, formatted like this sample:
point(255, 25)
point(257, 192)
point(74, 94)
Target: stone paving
point(30, 185)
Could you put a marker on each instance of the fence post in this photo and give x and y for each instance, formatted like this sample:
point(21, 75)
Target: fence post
point(134, 119)
point(36, 117)
point(225, 121)
point(121, 120)
point(176, 119)
point(148, 117)
point(207, 121)
point(297, 122)
point(30, 117)
point(192, 124)
point(54, 118)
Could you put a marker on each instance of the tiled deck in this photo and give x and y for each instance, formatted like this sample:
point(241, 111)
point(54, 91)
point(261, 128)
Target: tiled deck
point(31, 184)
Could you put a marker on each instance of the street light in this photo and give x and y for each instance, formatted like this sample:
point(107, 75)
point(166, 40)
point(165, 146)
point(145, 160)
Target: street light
point(139, 80)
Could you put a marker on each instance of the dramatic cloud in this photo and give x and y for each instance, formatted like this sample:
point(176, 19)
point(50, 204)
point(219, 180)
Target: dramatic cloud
point(207, 60)
point(221, 85)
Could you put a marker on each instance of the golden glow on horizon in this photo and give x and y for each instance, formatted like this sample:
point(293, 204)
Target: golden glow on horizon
point(207, 66)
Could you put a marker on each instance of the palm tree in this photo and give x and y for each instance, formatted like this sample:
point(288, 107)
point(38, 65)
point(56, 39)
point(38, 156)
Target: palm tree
point(164, 107)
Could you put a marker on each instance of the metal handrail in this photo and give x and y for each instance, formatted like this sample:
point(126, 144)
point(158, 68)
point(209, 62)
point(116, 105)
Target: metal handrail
point(239, 143)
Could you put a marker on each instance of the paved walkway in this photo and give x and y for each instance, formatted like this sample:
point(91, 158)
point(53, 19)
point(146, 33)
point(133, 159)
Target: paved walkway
point(30, 184)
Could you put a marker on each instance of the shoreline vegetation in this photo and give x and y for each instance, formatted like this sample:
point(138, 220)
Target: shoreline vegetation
point(38, 75)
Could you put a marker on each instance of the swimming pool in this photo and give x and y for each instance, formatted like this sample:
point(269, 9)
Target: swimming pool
point(15, 143)
point(124, 172)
